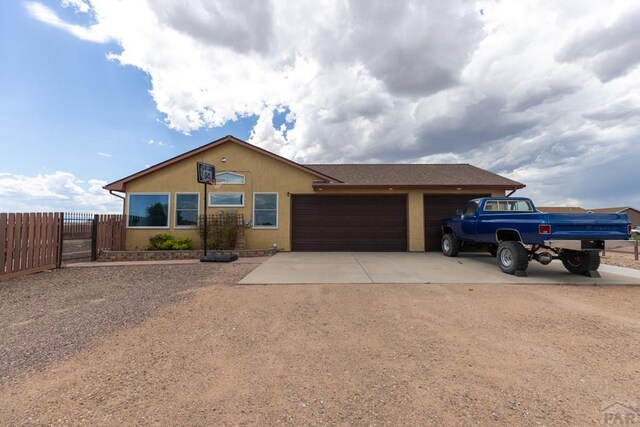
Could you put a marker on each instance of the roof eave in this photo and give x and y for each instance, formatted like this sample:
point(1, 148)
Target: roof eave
point(120, 184)
point(517, 186)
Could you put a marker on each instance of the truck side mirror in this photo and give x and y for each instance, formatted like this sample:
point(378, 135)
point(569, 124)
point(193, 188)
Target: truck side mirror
point(459, 212)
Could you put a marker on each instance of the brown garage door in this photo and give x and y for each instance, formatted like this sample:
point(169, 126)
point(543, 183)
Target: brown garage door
point(436, 207)
point(349, 223)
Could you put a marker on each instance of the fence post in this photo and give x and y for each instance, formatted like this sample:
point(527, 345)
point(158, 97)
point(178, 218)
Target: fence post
point(60, 239)
point(635, 250)
point(3, 242)
point(94, 238)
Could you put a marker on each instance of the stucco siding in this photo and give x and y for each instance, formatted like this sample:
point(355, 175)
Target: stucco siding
point(262, 174)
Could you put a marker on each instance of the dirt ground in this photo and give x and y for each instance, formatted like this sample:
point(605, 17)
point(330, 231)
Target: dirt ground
point(621, 259)
point(342, 354)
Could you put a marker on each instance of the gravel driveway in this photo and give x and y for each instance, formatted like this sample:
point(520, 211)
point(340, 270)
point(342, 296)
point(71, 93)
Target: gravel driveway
point(49, 316)
point(154, 350)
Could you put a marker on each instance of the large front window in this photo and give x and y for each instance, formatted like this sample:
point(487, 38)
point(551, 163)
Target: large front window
point(148, 210)
point(187, 209)
point(265, 210)
point(226, 200)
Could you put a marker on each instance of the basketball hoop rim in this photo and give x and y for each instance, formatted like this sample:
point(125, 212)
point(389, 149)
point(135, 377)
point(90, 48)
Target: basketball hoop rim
point(211, 182)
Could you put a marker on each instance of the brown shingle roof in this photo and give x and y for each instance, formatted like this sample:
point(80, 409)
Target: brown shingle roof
point(413, 175)
point(611, 210)
point(361, 175)
point(561, 209)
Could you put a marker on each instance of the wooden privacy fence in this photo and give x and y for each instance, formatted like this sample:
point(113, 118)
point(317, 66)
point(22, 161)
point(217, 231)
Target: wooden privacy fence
point(108, 234)
point(31, 242)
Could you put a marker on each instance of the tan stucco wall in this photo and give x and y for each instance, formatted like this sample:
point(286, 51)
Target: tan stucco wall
point(262, 174)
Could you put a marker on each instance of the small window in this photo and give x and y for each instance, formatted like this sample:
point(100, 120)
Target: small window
point(187, 209)
point(229, 178)
point(148, 210)
point(226, 200)
point(265, 210)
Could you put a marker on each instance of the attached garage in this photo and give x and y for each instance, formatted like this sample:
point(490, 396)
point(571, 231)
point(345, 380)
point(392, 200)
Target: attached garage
point(349, 223)
point(436, 207)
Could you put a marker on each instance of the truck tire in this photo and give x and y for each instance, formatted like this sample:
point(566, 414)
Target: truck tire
point(450, 245)
point(581, 262)
point(512, 257)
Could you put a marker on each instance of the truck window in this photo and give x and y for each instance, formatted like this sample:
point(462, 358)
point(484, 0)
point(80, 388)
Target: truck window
point(508, 206)
point(471, 209)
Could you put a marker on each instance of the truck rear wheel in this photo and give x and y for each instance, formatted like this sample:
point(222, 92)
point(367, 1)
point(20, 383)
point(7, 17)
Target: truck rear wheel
point(450, 245)
point(512, 257)
point(581, 262)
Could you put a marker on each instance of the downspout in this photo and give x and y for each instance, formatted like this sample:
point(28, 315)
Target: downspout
point(512, 191)
point(113, 194)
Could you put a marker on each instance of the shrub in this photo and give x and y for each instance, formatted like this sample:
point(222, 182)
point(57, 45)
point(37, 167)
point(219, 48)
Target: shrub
point(182, 244)
point(222, 231)
point(165, 242)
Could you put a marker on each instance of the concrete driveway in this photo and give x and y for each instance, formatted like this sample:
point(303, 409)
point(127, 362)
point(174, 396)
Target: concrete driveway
point(372, 267)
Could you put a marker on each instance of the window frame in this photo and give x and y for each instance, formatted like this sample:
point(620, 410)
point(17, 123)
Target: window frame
point(175, 219)
point(149, 227)
point(232, 173)
point(277, 209)
point(211, 205)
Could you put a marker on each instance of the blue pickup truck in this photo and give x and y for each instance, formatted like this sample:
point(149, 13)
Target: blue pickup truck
point(512, 229)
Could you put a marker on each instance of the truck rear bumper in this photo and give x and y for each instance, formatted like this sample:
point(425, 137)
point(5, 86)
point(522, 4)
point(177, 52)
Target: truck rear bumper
point(590, 245)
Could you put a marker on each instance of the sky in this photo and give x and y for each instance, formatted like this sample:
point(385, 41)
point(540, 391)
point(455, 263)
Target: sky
point(543, 92)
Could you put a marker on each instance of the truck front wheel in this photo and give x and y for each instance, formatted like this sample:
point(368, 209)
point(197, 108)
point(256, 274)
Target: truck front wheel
point(512, 257)
point(450, 245)
point(581, 262)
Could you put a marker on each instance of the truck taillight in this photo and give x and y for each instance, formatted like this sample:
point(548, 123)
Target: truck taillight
point(544, 229)
point(629, 229)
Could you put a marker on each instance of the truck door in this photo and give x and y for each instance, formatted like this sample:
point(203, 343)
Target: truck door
point(469, 223)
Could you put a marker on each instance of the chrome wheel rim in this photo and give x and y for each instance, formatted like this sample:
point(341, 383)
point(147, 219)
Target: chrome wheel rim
point(446, 245)
point(506, 258)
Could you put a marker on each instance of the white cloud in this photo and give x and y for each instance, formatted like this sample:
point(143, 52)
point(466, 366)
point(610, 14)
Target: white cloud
point(96, 33)
point(78, 5)
point(537, 90)
point(104, 154)
point(58, 191)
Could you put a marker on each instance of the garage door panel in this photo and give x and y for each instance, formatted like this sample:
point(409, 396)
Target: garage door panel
point(349, 223)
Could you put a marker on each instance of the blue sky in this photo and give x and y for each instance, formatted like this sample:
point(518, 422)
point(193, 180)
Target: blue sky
point(65, 107)
point(95, 90)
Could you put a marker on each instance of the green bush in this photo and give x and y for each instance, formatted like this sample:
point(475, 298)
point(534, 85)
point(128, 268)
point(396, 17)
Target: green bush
point(222, 231)
point(182, 244)
point(166, 242)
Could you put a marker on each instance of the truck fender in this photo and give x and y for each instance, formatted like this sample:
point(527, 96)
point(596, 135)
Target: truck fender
point(508, 234)
point(447, 229)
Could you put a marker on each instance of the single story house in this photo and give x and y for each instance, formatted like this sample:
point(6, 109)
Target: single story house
point(314, 207)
